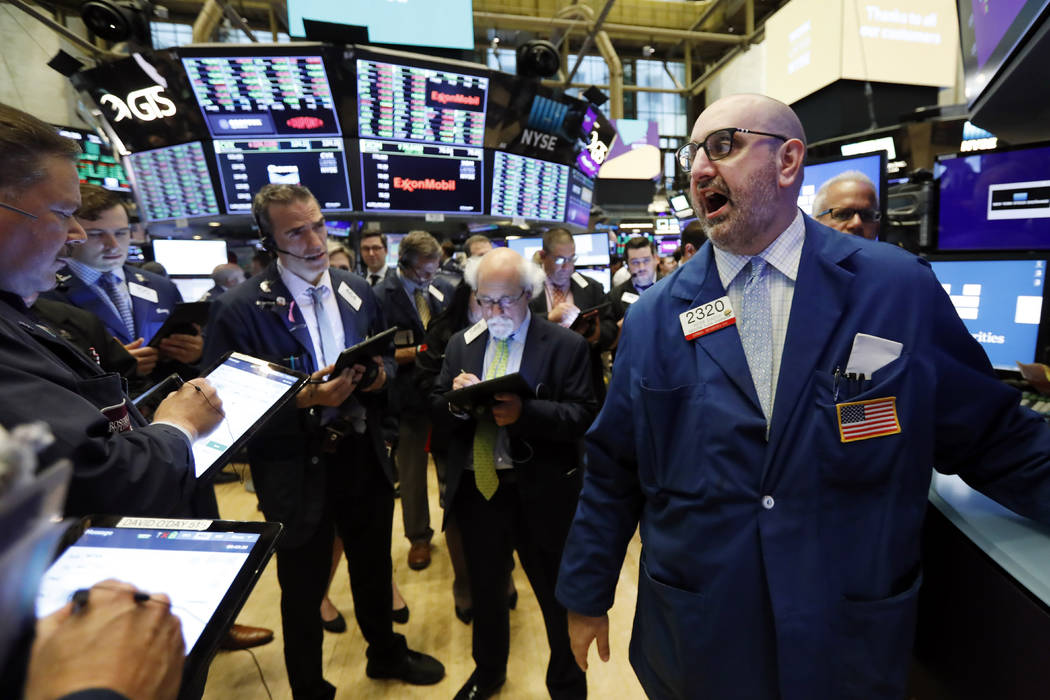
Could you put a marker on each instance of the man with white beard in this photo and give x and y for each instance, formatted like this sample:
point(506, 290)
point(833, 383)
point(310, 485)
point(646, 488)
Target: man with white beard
point(514, 469)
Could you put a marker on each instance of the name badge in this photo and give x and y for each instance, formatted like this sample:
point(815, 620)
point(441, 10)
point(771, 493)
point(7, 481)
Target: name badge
point(437, 293)
point(474, 331)
point(350, 295)
point(137, 290)
point(707, 318)
point(629, 297)
point(579, 279)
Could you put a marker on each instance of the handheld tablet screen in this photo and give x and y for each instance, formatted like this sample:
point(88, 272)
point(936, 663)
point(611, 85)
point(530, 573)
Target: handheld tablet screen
point(248, 388)
point(195, 569)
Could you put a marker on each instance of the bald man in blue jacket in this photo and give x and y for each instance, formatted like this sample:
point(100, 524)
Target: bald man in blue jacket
point(780, 504)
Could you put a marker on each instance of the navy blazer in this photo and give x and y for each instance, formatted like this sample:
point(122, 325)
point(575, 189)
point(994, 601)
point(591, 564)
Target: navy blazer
point(545, 442)
point(788, 566)
point(400, 312)
point(147, 470)
point(259, 318)
point(149, 315)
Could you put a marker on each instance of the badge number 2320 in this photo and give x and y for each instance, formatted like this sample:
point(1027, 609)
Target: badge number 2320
point(707, 318)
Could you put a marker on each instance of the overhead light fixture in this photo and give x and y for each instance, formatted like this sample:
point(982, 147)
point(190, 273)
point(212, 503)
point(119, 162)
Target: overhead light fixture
point(214, 224)
point(648, 50)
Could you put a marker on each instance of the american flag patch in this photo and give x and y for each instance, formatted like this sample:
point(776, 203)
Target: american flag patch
point(861, 420)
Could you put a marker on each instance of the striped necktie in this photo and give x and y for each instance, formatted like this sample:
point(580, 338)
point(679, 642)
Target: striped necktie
point(422, 307)
point(111, 285)
point(486, 431)
point(329, 351)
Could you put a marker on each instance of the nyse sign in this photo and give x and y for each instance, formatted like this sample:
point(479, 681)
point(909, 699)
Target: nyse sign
point(146, 104)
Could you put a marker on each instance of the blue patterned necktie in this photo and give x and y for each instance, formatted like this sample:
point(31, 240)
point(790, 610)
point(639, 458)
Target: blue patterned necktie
point(111, 286)
point(485, 433)
point(329, 351)
point(756, 332)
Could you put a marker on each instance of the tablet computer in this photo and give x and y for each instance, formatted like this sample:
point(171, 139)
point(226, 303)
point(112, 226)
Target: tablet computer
point(362, 352)
point(181, 320)
point(587, 316)
point(206, 567)
point(251, 391)
point(481, 395)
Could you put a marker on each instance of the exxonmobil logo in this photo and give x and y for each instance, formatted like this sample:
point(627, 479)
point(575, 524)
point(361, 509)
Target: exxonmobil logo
point(410, 185)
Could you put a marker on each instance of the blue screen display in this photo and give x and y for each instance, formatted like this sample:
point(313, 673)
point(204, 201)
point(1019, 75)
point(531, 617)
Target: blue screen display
point(443, 23)
point(995, 201)
point(816, 174)
point(1000, 301)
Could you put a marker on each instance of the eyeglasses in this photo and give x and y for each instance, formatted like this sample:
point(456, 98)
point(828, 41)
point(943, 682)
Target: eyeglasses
point(504, 302)
point(16, 210)
point(844, 214)
point(639, 262)
point(717, 145)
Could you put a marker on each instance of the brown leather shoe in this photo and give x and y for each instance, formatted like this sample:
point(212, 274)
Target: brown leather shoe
point(419, 556)
point(245, 637)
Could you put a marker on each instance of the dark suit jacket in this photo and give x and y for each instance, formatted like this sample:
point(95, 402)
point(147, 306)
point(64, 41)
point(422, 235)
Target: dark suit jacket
point(619, 305)
point(545, 442)
point(259, 318)
point(391, 271)
point(786, 563)
point(85, 331)
point(401, 312)
point(149, 315)
point(147, 470)
point(587, 294)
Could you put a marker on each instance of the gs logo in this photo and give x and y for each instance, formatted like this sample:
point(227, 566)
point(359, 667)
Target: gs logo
point(146, 104)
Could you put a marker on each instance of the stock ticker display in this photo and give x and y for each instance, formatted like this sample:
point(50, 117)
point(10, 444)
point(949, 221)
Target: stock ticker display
point(246, 165)
point(417, 177)
point(96, 164)
point(264, 95)
point(424, 105)
point(173, 182)
point(529, 188)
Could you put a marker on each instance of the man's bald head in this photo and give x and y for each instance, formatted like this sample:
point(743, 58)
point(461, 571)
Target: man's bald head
point(747, 195)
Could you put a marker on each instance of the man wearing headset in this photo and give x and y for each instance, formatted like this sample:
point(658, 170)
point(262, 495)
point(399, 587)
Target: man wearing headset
point(410, 298)
point(320, 466)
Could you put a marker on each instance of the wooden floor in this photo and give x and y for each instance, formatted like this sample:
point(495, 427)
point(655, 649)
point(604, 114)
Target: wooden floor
point(432, 628)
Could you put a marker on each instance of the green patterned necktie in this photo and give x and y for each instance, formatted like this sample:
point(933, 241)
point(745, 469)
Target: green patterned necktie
point(486, 430)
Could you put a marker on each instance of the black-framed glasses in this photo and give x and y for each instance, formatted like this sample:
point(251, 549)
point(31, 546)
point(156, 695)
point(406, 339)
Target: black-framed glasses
point(717, 145)
point(843, 214)
point(16, 210)
point(504, 302)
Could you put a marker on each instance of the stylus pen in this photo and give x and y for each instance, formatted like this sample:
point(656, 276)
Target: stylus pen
point(80, 598)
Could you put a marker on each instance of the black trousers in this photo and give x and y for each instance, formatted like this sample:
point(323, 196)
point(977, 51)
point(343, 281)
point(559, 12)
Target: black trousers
point(359, 506)
point(491, 531)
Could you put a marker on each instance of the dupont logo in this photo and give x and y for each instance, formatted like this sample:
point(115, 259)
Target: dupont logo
point(454, 98)
point(408, 185)
point(304, 123)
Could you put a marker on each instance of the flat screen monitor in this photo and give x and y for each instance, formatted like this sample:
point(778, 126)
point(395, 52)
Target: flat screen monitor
point(528, 188)
point(420, 102)
point(815, 174)
point(599, 274)
point(173, 182)
point(393, 247)
point(96, 164)
point(994, 200)
point(246, 165)
point(1001, 303)
point(189, 257)
point(193, 288)
point(990, 33)
point(243, 96)
point(397, 176)
point(681, 205)
point(882, 143)
point(592, 249)
point(525, 247)
point(667, 243)
point(440, 23)
point(581, 197)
